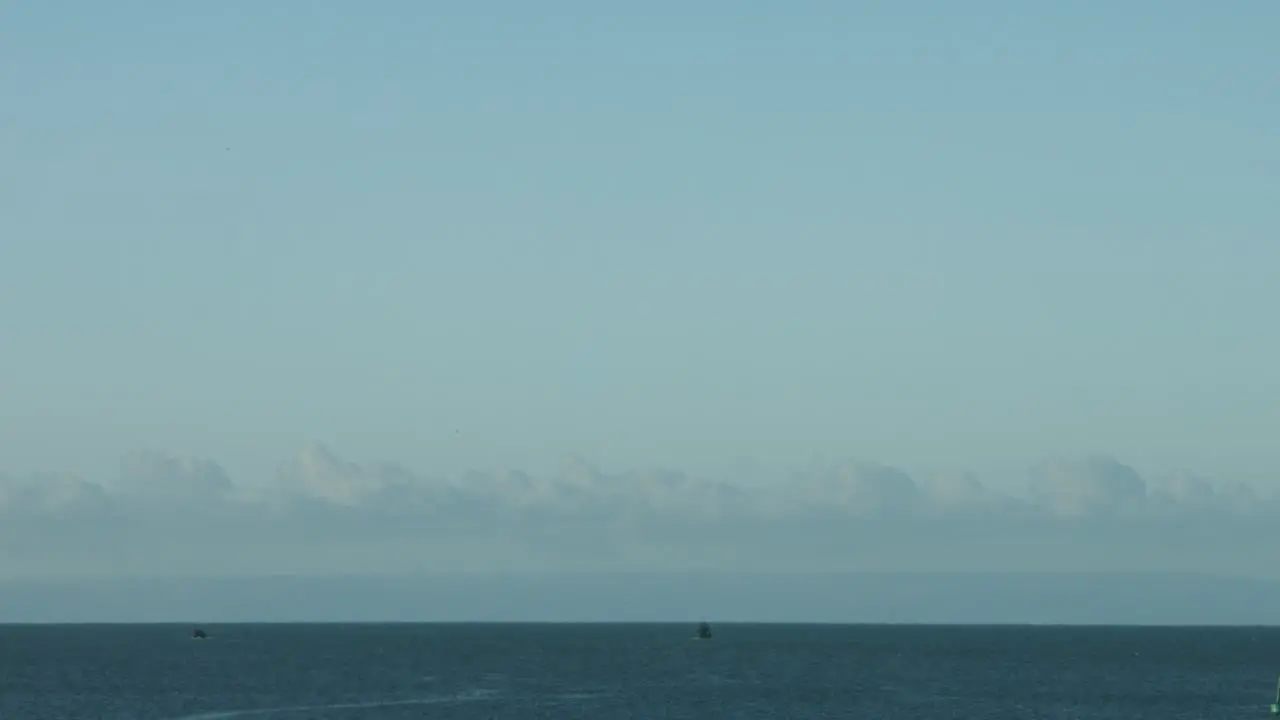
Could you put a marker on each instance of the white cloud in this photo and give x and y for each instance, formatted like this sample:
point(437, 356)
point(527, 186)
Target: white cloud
point(324, 511)
point(858, 488)
point(48, 493)
point(317, 473)
point(1077, 487)
point(1189, 494)
point(152, 477)
point(959, 490)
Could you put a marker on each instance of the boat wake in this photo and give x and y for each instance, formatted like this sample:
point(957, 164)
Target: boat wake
point(464, 697)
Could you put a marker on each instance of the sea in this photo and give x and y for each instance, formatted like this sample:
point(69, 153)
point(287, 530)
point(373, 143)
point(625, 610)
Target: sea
point(603, 672)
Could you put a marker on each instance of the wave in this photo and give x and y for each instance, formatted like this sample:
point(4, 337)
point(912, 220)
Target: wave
point(463, 697)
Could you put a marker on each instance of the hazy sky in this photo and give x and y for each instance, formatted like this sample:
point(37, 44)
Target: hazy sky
point(944, 236)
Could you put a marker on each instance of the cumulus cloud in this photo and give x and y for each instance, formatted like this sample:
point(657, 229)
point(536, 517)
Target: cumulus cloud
point(48, 494)
point(322, 511)
point(960, 490)
point(858, 488)
point(317, 473)
point(1187, 493)
point(1088, 486)
point(150, 477)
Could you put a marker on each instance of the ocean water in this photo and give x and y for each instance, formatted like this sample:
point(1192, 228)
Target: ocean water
point(602, 672)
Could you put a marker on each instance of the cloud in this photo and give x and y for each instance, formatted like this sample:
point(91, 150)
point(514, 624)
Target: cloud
point(321, 512)
point(156, 478)
point(858, 488)
point(960, 491)
point(1088, 487)
point(48, 494)
point(317, 473)
point(1186, 493)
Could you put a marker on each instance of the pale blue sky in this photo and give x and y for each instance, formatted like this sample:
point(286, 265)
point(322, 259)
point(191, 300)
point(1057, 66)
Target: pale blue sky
point(933, 234)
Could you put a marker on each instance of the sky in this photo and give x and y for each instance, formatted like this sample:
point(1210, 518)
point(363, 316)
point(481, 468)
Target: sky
point(732, 244)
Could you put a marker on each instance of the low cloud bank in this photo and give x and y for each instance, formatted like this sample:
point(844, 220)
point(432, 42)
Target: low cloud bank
point(325, 514)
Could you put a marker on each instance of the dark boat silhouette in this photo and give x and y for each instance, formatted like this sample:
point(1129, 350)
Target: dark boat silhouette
point(199, 634)
point(704, 631)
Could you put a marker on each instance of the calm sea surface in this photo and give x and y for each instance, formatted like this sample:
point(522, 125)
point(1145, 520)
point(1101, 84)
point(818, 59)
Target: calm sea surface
point(635, 671)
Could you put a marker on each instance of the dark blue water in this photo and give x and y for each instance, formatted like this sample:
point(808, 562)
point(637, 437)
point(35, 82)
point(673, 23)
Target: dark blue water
point(636, 671)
